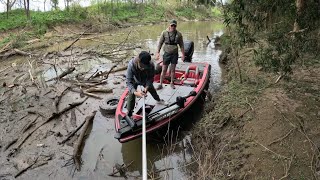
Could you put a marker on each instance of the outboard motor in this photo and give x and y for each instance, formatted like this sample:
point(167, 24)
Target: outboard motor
point(188, 50)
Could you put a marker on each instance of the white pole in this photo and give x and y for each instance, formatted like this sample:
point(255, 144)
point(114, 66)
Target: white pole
point(144, 140)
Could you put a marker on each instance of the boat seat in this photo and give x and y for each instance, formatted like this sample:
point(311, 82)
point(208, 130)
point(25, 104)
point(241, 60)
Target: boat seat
point(191, 76)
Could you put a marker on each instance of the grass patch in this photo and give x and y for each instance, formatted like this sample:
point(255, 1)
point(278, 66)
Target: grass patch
point(40, 21)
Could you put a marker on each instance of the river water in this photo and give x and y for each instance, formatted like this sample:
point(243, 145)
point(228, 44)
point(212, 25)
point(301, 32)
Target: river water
point(166, 149)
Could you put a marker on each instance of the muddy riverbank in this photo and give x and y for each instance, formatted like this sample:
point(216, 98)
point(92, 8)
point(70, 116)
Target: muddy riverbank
point(34, 104)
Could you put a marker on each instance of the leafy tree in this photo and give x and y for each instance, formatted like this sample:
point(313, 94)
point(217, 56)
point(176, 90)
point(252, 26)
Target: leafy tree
point(281, 29)
point(55, 4)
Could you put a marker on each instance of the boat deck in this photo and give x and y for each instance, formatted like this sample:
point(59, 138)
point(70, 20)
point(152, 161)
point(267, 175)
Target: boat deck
point(168, 94)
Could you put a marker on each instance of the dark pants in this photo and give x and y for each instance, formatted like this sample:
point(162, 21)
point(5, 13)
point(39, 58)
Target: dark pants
point(170, 58)
point(132, 98)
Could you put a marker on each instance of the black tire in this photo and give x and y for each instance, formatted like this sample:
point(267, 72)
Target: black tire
point(109, 106)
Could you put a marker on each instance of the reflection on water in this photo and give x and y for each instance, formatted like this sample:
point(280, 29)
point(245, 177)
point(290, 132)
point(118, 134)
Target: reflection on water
point(167, 147)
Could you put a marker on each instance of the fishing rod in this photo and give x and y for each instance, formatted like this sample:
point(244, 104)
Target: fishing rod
point(144, 139)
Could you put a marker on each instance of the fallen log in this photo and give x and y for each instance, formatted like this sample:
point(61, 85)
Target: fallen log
point(86, 93)
point(8, 53)
point(22, 53)
point(77, 145)
point(53, 116)
point(63, 74)
point(120, 69)
point(103, 90)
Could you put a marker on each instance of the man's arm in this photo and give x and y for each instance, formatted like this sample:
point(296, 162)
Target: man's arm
point(149, 81)
point(161, 41)
point(181, 47)
point(130, 79)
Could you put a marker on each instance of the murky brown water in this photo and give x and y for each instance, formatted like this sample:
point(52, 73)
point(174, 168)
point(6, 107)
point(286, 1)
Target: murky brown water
point(165, 150)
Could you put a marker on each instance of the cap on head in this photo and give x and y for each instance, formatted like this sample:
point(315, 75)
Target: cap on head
point(145, 59)
point(173, 22)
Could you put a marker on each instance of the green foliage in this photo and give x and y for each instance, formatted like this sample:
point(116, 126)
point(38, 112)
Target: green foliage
point(216, 12)
point(4, 41)
point(41, 20)
point(279, 48)
point(185, 12)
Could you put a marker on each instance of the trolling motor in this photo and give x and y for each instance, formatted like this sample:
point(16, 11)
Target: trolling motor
point(188, 50)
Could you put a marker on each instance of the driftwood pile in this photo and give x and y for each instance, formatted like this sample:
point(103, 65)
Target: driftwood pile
point(88, 85)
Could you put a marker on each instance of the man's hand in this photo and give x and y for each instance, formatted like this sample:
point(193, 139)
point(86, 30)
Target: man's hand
point(146, 90)
point(182, 57)
point(139, 93)
point(157, 56)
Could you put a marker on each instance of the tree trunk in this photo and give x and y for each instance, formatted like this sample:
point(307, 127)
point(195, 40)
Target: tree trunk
point(8, 3)
point(299, 6)
point(26, 8)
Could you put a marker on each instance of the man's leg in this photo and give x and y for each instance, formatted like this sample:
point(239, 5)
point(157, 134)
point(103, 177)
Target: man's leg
point(172, 74)
point(130, 103)
point(154, 93)
point(163, 74)
point(174, 62)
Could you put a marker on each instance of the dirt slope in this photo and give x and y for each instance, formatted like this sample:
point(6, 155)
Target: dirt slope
point(261, 129)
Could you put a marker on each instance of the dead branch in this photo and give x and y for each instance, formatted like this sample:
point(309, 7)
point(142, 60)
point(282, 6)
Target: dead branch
point(15, 52)
point(120, 69)
point(35, 112)
point(120, 169)
point(161, 170)
point(53, 116)
point(63, 74)
point(30, 124)
point(73, 118)
point(103, 90)
point(208, 39)
point(278, 79)
point(71, 134)
point(57, 101)
point(9, 144)
point(104, 73)
point(5, 48)
point(22, 53)
point(77, 145)
point(92, 75)
point(81, 33)
point(279, 155)
point(4, 69)
point(25, 169)
point(124, 49)
point(281, 138)
point(66, 48)
point(287, 168)
point(86, 93)
point(243, 113)
point(100, 156)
